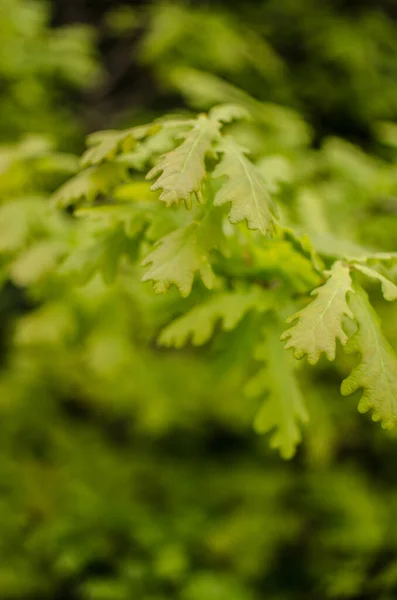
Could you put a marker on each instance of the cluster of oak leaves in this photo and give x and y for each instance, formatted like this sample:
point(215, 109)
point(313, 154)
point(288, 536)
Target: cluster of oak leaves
point(208, 223)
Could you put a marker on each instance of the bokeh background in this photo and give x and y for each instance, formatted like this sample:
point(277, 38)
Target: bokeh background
point(130, 472)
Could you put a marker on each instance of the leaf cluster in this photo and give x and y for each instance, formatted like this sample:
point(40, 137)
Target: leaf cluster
point(220, 230)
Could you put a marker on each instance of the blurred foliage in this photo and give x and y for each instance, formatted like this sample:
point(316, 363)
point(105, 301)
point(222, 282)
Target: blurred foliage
point(39, 68)
point(335, 62)
point(128, 470)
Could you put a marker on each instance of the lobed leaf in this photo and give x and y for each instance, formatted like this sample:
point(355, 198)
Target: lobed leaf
point(389, 289)
point(283, 409)
point(90, 183)
point(319, 324)
point(182, 170)
point(376, 372)
point(178, 256)
point(228, 308)
point(101, 252)
point(226, 113)
point(104, 145)
point(245, 189)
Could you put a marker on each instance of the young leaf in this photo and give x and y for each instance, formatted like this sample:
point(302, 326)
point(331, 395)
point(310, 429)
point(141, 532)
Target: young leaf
point(376, 372)
point(228, 308)
point(151, 147)
point(319, 324)
point(245, 189)
point(103, 253)
point(303, 244)
point(226, 113)
point(283, 408)
point(134, 216)
point(389, 290)
point(183, 169)
point(370, 257)
point(89, 184)
point(178, 256)
point(104, 145)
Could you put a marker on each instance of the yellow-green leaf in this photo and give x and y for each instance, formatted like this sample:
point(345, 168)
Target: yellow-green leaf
point(389, 289)
point(245, 189)
point(376, 372)
point(228, 308)
point(320, 323)
point(283, 409)
point(183, 169)
point(178, 256)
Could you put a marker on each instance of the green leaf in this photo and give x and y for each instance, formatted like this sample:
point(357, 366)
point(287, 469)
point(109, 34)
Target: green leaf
point(276, 171)
point(369, 257)
point(135, 190)
point(389, 290)
point(159, 140)
point(319, 324)
point(152, 147)
point(303, 244)
point(100, 253)
point(226, 113)
point(329, 245)
point(228, 308)
point(178, 256)
point(283, 408)
point(19, 220)
point(37, 262)
point(279, 259)
point(88, 184)
point(104, 145)
point(132, 215)
point(384, 263)
point(245, 189)
point(376, 372)
point(183, 169)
